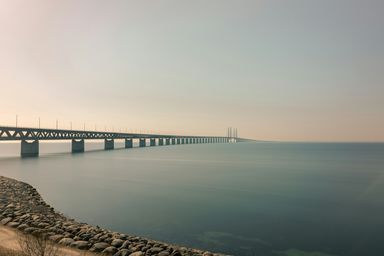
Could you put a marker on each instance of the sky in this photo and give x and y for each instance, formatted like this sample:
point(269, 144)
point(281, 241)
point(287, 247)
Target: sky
point(284, 70)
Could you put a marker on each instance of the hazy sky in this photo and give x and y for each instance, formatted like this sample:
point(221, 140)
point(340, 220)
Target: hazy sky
point(278, 70)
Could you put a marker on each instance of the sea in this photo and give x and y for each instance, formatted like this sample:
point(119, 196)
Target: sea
point(261, 198)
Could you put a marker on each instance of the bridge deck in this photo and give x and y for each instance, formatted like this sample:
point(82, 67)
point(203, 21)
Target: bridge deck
point(20, 133)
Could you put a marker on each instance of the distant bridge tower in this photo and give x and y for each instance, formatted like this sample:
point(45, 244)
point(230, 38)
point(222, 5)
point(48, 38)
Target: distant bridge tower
point(232, 135)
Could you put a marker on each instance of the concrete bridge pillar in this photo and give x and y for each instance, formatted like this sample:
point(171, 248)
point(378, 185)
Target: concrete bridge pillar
point(109, 144)
point(29, 149)
point(153, 142)
point(142, 142)
point(173, 141)
point(167, 141)
point(128, 143)
point(161, 141)
point(77, 146)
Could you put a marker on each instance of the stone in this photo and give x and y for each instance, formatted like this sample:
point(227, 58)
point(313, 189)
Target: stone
point(163, 253)
point(207, 254)
point(123, 252)
point(139, 253)
point(13, 224)
point(81, 245)
point(155, 250)
point(176, 253)
point(117, 242)
point(56, 238)
point(110, 250)
point(30, 230)
point(5, 220)
point(66, 241)
point(99, 247)
point(22, 226)
point(125, 245)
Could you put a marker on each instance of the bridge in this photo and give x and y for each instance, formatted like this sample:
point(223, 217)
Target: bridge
point(30, 138)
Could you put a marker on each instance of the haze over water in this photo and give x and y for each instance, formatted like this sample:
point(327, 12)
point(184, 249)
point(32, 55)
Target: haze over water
point(241, 199)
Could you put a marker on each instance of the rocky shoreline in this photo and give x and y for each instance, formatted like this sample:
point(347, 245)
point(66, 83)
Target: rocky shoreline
point(22, 208)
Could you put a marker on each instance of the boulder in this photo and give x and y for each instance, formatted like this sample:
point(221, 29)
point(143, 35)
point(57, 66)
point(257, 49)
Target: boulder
point(125, 245)
point(99, 247)
point(13, 224)
point(81, 245)
point(56, 238)
point(117, 243)
point(123, 252)
point(66, 241)
point(5, 220)
point(139, 253)
point(109, 250)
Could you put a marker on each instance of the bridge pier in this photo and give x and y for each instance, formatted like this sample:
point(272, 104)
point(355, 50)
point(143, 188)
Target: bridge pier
point(29, 149)
point(128, 143)
point(153, 142)
point(109, 144)
point(161, 141)
point(78, 146)
point(142, 142)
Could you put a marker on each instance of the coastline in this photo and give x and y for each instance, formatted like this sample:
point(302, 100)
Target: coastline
point(23, 209)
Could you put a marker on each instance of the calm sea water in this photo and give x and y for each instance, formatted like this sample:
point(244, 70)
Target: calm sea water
point(241, 199)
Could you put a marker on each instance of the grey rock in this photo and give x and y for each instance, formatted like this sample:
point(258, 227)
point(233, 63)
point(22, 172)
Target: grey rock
point(5, 220)
point(82, 245)
point(139, 253)
point(66, 241)
point(176, 253)
point(56, 238)
point(125, 245)
point(13, 224)
point(22, 226)
point(155, 250)
point(110, 250)
point(163, 253)
point(99, 247)
point(123, 252)
point(117, 242)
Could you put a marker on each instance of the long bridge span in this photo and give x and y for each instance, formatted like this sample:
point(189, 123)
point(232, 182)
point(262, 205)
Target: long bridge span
point(30, 138)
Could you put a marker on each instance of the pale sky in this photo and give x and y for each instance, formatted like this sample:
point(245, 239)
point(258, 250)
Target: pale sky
point(291, 70)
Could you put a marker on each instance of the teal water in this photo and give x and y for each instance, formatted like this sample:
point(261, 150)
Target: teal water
point(241, 199)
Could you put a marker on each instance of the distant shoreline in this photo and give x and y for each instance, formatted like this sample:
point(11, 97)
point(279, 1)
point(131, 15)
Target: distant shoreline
point(22, 208)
